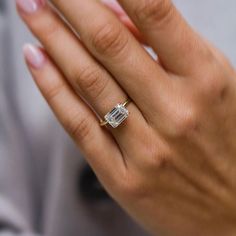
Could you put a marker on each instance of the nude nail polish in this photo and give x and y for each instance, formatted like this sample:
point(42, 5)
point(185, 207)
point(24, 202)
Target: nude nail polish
point(34, 56)
point(114, 5)
point(30, 6)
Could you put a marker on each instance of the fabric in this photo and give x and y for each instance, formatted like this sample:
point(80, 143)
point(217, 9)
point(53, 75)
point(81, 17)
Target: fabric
point(43, 178)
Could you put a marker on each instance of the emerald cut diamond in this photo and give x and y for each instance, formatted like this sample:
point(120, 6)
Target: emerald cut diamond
point(117, 115)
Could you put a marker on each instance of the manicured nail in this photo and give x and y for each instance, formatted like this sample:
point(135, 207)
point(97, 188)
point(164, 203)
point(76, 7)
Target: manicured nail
point(34, 56)
point(29, 6)
point(115, 6)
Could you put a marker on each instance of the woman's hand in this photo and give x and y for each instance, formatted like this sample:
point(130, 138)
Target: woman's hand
point(172, 163)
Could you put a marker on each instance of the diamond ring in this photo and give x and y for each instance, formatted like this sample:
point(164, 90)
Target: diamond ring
point(117, 115)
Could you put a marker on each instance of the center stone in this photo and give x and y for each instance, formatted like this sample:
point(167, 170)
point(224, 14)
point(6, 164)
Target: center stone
point(117, 115)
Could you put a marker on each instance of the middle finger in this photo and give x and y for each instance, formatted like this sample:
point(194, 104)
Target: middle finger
point(109, 41)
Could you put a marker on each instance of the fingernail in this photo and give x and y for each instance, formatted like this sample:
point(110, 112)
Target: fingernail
point(115, 6)
point(29, 6)
point(34, 56)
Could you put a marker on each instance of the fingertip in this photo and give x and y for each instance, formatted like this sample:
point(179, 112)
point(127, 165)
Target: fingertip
point(34, 56)
point(29, 6)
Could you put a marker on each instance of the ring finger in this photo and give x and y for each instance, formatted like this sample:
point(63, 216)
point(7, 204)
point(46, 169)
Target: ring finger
point(87, 77)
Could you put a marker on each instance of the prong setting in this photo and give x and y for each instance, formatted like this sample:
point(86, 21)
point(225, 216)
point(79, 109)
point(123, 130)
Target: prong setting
point(117, 115)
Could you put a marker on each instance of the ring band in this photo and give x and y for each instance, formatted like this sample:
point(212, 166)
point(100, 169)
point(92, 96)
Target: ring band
point(117, 115)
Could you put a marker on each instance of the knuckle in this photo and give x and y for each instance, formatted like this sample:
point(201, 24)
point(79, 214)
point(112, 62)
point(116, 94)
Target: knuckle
point(92, 81)
point(153, 11)
point(215, 76)
point(110, 40)
point(78, 128)
point(186, 124)
point(160, 158)
point(132, 187)
point(157, 150)
point(214, 85)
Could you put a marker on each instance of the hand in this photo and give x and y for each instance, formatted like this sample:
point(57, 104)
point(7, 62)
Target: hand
point(172, 164)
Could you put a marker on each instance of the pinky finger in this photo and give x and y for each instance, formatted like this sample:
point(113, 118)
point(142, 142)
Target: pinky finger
point(79, 121)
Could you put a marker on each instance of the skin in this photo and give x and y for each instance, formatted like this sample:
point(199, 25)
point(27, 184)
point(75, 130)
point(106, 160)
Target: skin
point(172, 164)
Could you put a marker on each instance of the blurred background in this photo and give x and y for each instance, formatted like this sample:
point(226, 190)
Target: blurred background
point(46, 188)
